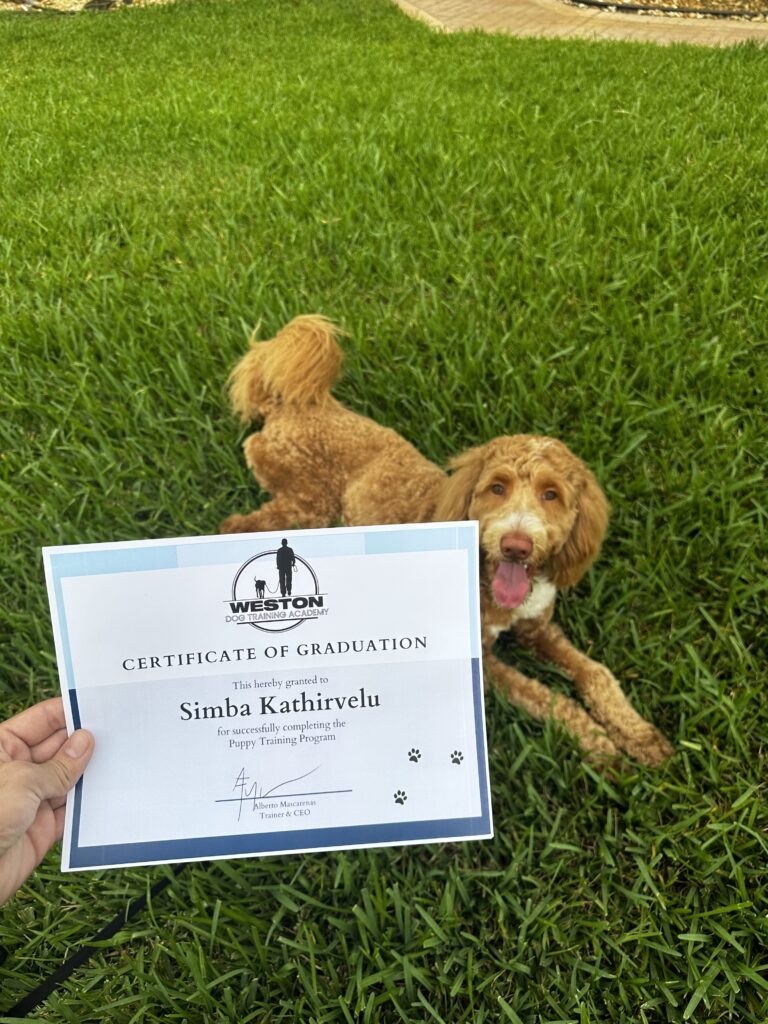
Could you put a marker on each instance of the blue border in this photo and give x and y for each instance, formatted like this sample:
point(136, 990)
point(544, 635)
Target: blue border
point(78, 802)
point(308, 841)
point(98, 558)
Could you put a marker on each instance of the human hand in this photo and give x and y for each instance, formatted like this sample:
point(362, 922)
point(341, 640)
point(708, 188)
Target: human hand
point(38, 765)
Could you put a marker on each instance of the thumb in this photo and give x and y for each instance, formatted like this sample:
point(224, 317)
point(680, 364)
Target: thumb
point(57, 776)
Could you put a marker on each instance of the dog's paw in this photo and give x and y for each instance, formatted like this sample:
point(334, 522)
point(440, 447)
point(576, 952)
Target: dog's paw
point(648, 746)
point(234, 524)
point(600, 750)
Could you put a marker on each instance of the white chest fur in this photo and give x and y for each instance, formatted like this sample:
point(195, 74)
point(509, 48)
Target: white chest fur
point(540, 598)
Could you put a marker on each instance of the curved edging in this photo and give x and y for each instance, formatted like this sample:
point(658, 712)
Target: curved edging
point(592, 19)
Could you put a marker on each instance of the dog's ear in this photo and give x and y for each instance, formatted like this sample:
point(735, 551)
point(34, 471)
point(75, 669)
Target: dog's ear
point(586, 537)
point(456, 493)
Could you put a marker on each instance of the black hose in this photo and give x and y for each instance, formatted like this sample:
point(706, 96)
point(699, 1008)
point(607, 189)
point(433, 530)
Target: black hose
point(31, 1001)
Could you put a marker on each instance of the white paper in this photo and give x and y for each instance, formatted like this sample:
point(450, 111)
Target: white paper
point(234, 719)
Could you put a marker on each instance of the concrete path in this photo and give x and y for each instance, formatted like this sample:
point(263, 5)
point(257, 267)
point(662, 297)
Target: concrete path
point(551, 18)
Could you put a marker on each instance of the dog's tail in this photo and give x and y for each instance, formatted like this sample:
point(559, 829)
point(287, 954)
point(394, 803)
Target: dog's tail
point(298, 367)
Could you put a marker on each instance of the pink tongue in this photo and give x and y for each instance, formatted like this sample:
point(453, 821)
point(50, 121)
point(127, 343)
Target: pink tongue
point(510, 584)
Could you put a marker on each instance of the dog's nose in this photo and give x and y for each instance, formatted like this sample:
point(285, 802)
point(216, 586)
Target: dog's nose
point(516, 545)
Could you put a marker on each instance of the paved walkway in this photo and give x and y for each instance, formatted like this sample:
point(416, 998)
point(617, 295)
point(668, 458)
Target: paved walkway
point(552, 18)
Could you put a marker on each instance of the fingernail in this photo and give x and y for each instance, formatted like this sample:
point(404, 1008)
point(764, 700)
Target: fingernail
point(76, 745)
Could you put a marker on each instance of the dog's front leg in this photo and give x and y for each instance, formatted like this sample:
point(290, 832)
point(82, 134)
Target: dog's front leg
point(278, 514)
point(541, 702)
point(599, 690)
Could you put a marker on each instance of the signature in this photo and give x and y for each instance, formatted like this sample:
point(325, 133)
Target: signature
point(249, 791)
point(252, 792)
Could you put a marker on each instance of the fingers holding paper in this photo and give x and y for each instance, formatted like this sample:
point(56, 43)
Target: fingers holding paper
point(38, 766)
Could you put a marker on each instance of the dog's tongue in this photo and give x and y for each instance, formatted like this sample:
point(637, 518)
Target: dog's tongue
point(510, 584)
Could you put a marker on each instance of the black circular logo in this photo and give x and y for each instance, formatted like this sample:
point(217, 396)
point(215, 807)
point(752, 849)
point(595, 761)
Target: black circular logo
point(275, 591)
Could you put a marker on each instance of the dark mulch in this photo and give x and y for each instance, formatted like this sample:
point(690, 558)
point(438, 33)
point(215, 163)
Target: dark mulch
point(690, 8)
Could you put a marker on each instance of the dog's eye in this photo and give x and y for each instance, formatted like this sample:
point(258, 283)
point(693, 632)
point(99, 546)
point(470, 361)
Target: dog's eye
point(497, 488)
point(549, 495)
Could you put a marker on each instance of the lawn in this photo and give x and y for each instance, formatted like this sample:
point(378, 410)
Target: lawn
point(532, 236)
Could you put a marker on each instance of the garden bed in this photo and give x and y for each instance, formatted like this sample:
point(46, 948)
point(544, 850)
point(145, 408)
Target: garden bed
point(73, 6)
point(750, 9)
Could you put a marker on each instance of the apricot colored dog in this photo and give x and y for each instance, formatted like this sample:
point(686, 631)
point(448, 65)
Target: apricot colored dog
point(541, 513)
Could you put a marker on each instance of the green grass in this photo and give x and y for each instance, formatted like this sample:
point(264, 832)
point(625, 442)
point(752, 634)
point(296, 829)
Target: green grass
point(520, 236)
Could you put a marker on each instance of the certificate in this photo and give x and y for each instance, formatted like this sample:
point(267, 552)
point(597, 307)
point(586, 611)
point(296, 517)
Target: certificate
point(272, 693)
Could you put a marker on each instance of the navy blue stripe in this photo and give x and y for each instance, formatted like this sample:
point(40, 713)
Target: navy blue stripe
point(205, 847)
point(79, 785)
point(477, 693)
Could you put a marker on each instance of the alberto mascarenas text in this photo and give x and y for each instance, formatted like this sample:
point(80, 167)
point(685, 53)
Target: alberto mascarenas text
point(148, 662)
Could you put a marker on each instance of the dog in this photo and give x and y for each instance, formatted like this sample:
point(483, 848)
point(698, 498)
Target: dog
point(261, 586)
point(542, 518)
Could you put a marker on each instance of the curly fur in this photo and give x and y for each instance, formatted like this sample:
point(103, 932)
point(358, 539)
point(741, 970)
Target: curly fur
point(541, 512)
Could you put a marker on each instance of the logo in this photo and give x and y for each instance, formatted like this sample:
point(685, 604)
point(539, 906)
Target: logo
point(275, 591)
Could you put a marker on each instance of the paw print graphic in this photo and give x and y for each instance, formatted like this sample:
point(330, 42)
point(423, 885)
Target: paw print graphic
point(400, 797)
point(457, 757)
point(414, 754)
